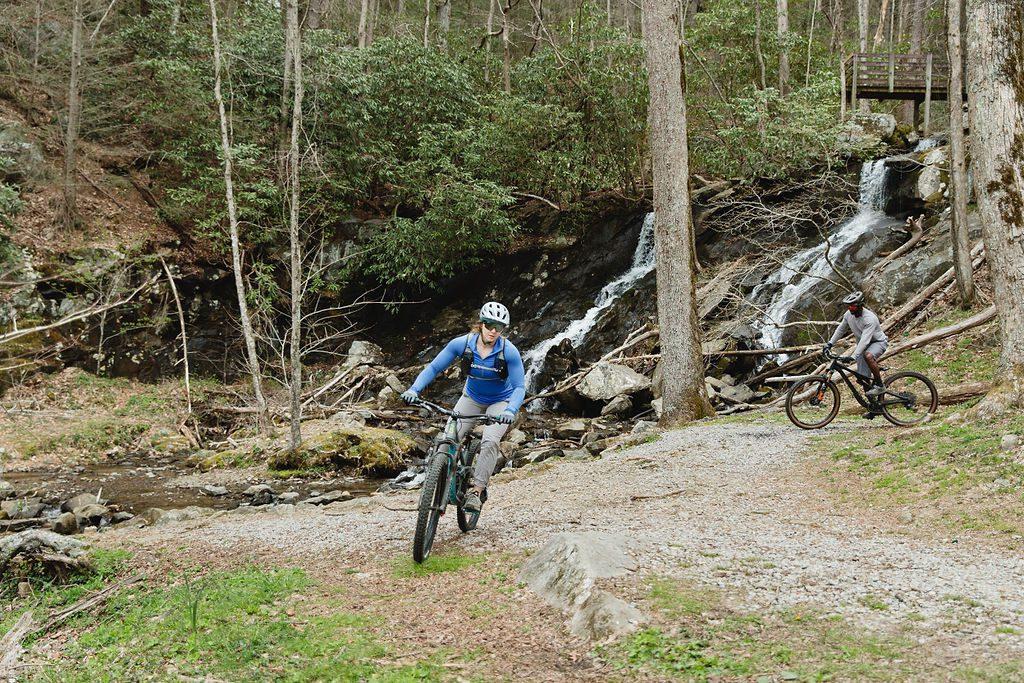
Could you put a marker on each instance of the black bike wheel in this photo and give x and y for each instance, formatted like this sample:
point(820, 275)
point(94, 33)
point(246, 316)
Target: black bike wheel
point(909, 398)
point(467, 520)
point(812, 402)
point(432, 503)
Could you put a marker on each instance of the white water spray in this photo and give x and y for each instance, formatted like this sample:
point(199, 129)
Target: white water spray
point(576, 331)
point(803, 271)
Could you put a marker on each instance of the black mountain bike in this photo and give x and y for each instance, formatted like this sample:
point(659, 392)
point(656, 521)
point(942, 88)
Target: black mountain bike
point(449, 466)
point(813, 401)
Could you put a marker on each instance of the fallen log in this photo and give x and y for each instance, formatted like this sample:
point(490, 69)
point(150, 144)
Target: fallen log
point(10, 645)
point(948, 331)
point(963, 392)
point(916, 227)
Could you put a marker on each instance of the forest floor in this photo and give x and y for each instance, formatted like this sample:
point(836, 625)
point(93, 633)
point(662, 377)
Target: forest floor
point(763, 553)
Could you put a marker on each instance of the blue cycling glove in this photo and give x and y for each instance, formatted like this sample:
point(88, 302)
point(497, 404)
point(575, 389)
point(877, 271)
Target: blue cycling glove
point(410, 396)
point(506, 418)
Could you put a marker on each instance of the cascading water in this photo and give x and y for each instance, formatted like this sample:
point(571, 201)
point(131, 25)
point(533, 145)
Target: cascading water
point(800, 273)
point(576, 331)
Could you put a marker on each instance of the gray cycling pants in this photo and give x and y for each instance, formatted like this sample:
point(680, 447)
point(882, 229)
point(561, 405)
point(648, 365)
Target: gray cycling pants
point(493, 434)
point(876, 349)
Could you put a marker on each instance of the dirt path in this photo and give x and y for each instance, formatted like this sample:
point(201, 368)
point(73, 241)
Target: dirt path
point(743, 522)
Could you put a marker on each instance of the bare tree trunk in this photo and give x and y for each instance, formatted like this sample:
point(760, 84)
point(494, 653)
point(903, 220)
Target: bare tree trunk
point(782, 25)
point(314, 14)
point(175, 17)
point(294, 241)
point(506, 45)
point(426, 25)
point(286, 88)
point(444, 22)
point(901, 30)
point(838, 37)
point(916, 40)
point(70, 180)
point(184, 338)
point(236, 256)
point(880, 31)
point(758, 52)
point(957, 164)
point(364, 18)
point(862, 33)
point(487, 39)
point(810, 41)
point(684, 395)
point(36, 39)
point(995, 96)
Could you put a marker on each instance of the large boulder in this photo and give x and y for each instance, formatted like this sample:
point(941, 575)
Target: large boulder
point(21, 160)
point(931, 179)
point(564, 573)
point(363, 353)
point(6, 490)
point(368, 449)
point(605, 381)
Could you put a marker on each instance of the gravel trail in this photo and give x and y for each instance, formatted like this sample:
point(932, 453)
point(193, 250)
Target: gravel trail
point(733, 513)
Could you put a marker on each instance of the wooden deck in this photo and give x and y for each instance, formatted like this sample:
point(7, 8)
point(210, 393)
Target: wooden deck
point(896, 77)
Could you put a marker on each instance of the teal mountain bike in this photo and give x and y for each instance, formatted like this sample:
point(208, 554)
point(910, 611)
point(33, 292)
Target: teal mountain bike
point(449, 470)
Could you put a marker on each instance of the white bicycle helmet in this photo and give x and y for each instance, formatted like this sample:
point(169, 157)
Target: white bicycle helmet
point(495, 312)
point(854, 299)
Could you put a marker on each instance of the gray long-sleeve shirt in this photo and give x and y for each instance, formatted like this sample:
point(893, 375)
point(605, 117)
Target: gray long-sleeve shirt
point(866, 328)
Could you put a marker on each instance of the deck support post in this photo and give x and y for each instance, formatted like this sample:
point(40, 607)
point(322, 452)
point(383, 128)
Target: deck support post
point(842, 89)
point(927, 94)
point(853, 89)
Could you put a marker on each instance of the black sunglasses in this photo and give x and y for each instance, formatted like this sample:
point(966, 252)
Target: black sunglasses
point(491, 325)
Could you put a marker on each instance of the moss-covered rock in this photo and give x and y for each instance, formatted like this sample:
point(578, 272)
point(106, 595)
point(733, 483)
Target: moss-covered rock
point(368, 449)
point(206, 460)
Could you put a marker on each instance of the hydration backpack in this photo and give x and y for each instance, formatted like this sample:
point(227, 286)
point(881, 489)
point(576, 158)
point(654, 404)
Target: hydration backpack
point(499, 364)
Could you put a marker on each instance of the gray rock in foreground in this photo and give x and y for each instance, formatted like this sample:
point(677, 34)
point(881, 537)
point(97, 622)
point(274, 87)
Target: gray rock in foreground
point(564, 573)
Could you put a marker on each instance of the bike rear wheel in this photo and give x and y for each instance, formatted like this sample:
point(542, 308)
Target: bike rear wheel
point(812, 402)
point(432, 504)
point(909, 398)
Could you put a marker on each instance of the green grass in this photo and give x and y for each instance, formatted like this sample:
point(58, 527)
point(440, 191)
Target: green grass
point(235, 626)
point(696, 637)
point(93, 436)
point(405, 568)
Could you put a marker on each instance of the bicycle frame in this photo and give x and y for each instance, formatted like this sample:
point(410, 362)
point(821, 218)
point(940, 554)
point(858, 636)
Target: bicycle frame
point(845, 373)
point(448, 440)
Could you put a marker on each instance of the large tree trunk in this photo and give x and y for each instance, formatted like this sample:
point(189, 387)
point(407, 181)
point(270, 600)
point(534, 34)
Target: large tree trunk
point(426, 25)
point(880, 30)
point(364, 23)
point(863, 22)
point(810, 40)
point(782, 26)
point(236, 255)
point(70, 180)
point(916, 42)
point(444, 22)
point(995, 95)
point(838, 37)
point(294, 241)
point(957, 165)
point(314, 15)
point(684, 397)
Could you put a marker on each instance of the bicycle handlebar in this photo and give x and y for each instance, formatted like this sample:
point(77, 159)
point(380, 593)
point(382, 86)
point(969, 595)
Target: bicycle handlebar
point(827, 353)
point(433, 407)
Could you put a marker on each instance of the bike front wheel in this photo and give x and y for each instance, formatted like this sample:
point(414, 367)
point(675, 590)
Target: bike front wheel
point(432, 504)
point(468, 520)
point(909, 398)
point(812, 402)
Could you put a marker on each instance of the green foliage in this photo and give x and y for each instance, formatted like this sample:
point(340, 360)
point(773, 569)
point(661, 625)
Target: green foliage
point(405, 568)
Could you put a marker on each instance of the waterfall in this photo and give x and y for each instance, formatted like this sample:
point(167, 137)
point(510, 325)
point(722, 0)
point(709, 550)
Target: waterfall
point(803, 271)
point(576, 331)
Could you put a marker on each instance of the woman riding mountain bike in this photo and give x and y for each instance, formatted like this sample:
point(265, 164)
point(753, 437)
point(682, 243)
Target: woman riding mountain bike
point(495, 386)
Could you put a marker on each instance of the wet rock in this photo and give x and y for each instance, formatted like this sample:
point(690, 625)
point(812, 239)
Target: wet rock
point(363, 353)
point(608, 380)
point(1009, 442)
point(214, 490)
point(571, 429)
point(329, 497)
point(92, 514)
point(81, 500)
point(288, 498)
point(408, 480)
point(259, 494)
point(621, 405)
point(66, 523)
point(6, 490)
point(22, 508)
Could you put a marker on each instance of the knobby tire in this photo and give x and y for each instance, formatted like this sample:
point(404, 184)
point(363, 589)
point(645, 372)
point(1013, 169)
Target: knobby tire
point(932, 401)
point(805, 385)
point(432, 501)
point(468, 520)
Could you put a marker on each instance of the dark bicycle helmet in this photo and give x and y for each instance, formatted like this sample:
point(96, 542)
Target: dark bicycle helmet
point(854, 299)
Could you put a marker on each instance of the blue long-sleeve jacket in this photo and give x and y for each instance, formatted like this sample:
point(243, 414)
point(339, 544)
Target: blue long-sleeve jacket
point(483, 384)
